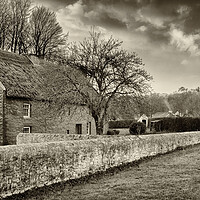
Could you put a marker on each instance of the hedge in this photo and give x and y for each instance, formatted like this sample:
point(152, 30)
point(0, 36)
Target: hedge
point(181, 124)
point(121, 123)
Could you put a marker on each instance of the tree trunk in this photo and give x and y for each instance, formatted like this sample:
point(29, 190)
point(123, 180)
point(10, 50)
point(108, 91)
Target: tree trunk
point(99, 125)
point(99, 121)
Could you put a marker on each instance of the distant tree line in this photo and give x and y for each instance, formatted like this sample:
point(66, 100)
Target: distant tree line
point(185, 101)
point(29, 31)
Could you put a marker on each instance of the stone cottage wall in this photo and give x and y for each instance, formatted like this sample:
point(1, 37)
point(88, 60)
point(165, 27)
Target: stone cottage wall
point(2, 113)
point(44, 119)
point(15, 120)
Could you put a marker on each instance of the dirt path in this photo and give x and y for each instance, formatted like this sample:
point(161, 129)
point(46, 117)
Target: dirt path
point(171, 176)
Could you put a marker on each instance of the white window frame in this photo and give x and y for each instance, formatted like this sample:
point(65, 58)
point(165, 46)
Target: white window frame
point(27, 127)
point(29, 110)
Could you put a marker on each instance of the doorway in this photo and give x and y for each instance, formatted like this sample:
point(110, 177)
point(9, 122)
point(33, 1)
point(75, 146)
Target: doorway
point(78, 128)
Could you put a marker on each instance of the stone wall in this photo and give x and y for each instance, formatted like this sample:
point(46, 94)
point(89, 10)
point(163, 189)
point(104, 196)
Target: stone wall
point(24, 138)
point(45, 119)
point(2, 113)
point(23, 167)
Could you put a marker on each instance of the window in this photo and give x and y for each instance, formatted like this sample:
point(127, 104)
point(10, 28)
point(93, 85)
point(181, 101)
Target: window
point(27, 129)
point(78, 128)
point(67, 131)
point(26, 110)
point(69, 111)
point(89, 128)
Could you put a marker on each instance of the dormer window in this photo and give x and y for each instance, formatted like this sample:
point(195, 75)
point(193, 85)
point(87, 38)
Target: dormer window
point(27, 110)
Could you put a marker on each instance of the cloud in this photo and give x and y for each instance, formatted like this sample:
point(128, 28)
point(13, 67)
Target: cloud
point(184, 42)
point(184, 10)
point(71, 19)
point(184, 62)
point(54, 4)
point(74, 19)
point(150, 19)
point(141, 28)
point(145, 15)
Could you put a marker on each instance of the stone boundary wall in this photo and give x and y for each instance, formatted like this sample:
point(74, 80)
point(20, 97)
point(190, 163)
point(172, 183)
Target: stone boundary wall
point(2, 113)
point(26, 138)
point(27, 166)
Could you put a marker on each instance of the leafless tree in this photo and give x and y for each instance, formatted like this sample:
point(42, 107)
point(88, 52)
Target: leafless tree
point(4, 22)
point(19, 15)
point(47, 34)
point(100, 70)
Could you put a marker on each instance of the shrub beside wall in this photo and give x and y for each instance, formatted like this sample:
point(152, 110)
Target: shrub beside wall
point(23, 167)
point(137, 128)
point(113, 132)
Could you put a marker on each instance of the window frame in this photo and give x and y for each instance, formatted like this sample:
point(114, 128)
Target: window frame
point(79, 129)
point(27, 127)
point(29, 110)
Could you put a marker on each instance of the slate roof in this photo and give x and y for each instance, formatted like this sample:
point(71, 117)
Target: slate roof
point(159, 115)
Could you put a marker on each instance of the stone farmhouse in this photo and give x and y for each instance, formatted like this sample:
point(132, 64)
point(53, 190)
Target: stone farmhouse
point(23, 102)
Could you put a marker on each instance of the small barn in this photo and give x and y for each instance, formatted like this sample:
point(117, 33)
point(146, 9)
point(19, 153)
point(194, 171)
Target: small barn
point(144, 119)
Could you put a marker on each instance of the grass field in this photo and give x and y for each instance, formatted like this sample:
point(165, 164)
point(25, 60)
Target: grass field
point(172, 176)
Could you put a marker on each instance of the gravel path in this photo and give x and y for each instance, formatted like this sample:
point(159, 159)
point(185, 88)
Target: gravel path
point(172, 176)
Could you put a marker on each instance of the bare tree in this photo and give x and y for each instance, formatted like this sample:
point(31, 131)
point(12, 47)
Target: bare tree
point(19, 15)
point(47, 34)
point(4, 22)
point(100, 70)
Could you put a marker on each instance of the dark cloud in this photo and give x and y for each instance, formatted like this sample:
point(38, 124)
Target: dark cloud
point(153, 18)
point(184, 12)
point(156, 15)
point(106, 21)
point(55, 4)
point(169, 11)
point(192, 22)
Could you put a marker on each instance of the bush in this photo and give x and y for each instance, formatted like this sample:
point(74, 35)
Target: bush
point(137, 128)
point(113, 132)
point(121, 123)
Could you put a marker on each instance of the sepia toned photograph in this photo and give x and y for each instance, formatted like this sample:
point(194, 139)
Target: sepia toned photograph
point(99, 99)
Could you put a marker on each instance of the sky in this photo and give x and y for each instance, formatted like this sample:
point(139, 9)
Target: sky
point(164, 33)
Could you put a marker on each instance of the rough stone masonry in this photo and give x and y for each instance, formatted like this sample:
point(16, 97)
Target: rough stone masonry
point(2, 113)
point(33, 165)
